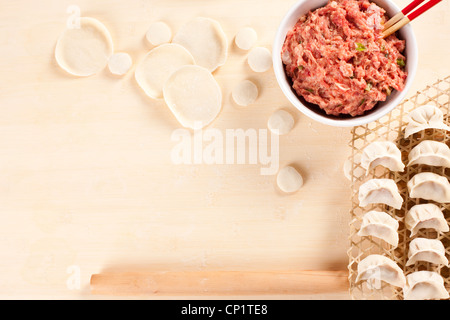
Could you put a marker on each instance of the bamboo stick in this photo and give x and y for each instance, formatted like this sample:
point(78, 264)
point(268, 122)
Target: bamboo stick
point(399, 16)
point(396, 27)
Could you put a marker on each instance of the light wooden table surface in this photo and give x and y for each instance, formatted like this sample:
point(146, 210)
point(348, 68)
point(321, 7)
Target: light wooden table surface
point(87, 182)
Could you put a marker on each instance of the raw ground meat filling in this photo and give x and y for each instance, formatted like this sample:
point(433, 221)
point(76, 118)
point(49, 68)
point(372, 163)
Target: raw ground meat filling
point(337, 59)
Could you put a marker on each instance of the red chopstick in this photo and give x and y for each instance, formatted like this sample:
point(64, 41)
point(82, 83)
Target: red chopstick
point(422, 9)
point(401, 19)
point(411, 6)
point(399, 16)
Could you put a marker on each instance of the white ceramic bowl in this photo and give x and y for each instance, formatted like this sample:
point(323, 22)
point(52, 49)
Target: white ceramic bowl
point(313, 111)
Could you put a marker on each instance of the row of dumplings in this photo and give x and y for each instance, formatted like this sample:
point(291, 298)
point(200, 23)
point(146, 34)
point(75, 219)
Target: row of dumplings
point(387, 154)
point(377, 267)
point(421, 284)
point(425, 185)
point(421, 216)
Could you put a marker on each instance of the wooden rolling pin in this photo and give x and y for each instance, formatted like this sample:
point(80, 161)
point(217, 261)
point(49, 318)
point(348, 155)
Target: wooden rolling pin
point(218, 283)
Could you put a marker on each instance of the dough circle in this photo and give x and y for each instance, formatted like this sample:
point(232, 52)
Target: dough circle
point(280, 122)
point(260, 59)
point(289, 180)
point(119, 63)
point(245, 93)
point(84, 51)
point(246, 38)
point(193, 96)
point(205, 40)
point(158, 33)
point(157, 66)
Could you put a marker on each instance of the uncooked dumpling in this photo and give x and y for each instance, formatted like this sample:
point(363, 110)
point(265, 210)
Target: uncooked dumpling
point(157, 66)
point(429, 186)
point(425, 216)
point(380, 225)
point(431, 153)
point(119, 63)
point(280, 122)
point(158, 33)
point(428, 250)
point(424, 285)
point(84, 51)
point(289, 180)
point(205, 40)
point(245, 93)
point(383, 191)
point(382, 153)
point(260, 59)
point(380, 268)
point(246, 38)
point(425, 117)
point(193, 96)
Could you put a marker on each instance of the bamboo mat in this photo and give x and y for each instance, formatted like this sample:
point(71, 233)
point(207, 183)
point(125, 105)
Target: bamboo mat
point(391, 127)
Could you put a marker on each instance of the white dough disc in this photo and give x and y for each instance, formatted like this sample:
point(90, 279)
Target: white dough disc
point(158, 33)
point(205, 40)
point(246, 38)
point(280, 122)
point(84, 51)
point(260, 59)
point(245, 93)
point(289, 180)
point(193, 96)
point(119, 63)
point(157, 66)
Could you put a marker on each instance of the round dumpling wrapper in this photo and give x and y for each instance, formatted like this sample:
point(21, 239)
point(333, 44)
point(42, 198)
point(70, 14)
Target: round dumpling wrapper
point(193, 96)
point(205, 40)
point(84, 50)
point(158, 33)
point(157, 66)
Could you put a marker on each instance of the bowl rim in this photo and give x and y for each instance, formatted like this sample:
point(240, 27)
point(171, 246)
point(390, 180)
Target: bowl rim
point(285, 86)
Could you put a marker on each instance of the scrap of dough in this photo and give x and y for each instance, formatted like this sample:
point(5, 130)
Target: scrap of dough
point(193, 96)
point(120, 63)
point(245, 93)
point(84, 51)
point(158, 33)
point(246, 38)
point(260, 59)
point(205, 40)
point(289, 180)
point(280, 122)
point(157, 66)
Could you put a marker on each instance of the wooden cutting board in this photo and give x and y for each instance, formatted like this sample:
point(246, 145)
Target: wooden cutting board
point(88, 184)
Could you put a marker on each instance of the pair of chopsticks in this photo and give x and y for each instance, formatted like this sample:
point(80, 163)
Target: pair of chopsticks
point(403, 18)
